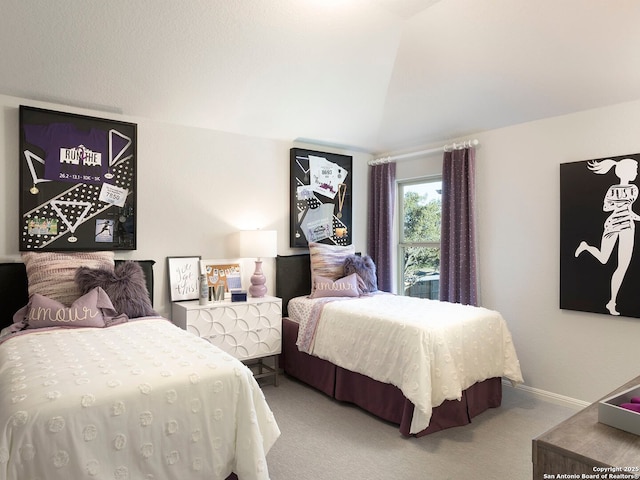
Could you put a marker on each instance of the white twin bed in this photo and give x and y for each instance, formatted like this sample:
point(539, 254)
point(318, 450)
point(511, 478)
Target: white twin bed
point(141, 399)
point(425, 365)
point(432, 351)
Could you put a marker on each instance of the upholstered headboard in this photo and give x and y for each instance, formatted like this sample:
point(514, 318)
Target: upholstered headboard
point(293, 277)
point(14, 292)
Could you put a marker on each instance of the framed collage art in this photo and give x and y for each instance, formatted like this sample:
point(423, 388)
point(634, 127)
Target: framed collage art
point(321, 192)
point(77, 182)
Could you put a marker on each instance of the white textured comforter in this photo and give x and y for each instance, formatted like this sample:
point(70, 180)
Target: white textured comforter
point(141, 400)
point(430, 350)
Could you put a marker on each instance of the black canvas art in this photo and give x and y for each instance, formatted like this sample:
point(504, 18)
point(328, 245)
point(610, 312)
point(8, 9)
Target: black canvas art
point(599, 254)
point(77, 182)
point(321, 185)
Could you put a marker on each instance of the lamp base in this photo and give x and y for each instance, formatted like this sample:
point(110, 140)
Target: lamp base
point(258, 280)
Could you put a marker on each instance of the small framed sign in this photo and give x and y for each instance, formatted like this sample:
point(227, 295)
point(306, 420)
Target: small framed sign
point(222, 272)
point(183, 277)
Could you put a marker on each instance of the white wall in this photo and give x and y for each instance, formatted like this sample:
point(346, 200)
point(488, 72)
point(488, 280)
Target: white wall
point(577, 354)
point(195, 188)
point(574, 354)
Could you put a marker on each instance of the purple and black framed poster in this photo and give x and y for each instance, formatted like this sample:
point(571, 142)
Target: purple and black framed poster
point(77, 182)
point(321, 192)
point(599, 253)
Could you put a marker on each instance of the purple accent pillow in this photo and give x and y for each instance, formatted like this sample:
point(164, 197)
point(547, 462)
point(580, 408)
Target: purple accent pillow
point(91, 310)
point(343, 287)
point(366, 270)
point(125, 285)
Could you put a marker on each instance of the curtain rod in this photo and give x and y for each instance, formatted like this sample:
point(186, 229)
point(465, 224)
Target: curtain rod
point(444, 148)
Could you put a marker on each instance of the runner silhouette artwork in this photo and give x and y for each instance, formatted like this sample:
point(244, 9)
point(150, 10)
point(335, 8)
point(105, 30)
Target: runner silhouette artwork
point(599, 268)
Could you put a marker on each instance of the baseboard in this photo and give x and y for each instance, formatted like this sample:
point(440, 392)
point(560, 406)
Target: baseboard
point(549, 396)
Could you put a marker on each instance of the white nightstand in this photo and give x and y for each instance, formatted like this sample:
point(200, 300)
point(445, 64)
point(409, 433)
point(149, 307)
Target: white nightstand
point(250, 331)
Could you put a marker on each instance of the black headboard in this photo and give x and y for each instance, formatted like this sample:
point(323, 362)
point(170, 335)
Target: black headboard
point(293, 277)
point(14, 290)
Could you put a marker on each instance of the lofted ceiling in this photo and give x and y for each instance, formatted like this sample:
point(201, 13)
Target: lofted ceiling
point(373, 75)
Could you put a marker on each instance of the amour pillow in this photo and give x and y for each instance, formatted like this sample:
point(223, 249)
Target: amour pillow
point(343, 287)
point(328, 260)
point(91, 310)
point(366, 270)
point(51, 274)
point(125, 285)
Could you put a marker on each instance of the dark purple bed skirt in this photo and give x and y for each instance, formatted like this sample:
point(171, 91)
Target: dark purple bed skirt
point(382, 399)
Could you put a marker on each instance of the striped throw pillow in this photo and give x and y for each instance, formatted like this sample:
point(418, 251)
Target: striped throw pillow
point(52, 274)
point(328, 260)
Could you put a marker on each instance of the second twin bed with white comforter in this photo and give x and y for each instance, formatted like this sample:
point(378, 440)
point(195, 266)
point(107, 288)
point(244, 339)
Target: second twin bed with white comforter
point(431, 350)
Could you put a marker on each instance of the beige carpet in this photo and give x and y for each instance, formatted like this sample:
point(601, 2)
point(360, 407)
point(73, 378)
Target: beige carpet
point(326, 440)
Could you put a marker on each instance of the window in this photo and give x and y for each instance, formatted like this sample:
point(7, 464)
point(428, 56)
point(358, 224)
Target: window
point(419, 247)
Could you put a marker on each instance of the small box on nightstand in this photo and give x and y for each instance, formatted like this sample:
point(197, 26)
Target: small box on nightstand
point(238, 296)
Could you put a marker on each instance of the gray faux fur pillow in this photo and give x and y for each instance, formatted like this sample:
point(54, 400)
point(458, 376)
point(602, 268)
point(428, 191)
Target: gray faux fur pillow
point(366, 270)
point(125, 286)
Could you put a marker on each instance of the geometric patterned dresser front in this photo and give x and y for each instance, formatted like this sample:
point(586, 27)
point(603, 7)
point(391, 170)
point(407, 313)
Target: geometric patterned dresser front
point(246, 330)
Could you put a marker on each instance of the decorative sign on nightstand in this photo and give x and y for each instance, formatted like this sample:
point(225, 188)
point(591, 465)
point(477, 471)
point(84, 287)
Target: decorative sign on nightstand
point(222, 272)
point(183, 277)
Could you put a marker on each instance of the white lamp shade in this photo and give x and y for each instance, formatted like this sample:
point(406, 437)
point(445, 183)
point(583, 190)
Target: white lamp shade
point(258, 243)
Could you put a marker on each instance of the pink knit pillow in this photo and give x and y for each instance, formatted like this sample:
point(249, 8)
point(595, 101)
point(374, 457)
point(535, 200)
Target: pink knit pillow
point(52, 274)
point(328, 260)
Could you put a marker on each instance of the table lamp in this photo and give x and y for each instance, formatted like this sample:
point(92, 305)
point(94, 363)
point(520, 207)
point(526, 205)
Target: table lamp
point(259, 244)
